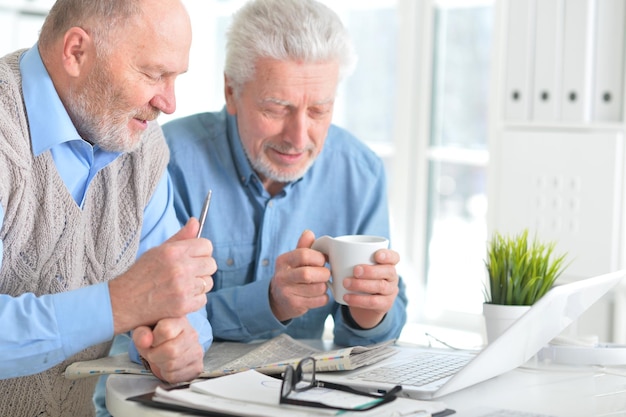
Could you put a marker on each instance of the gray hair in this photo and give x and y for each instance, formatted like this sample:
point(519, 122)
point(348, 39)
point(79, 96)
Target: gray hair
point(100, 18)
point(303, 30)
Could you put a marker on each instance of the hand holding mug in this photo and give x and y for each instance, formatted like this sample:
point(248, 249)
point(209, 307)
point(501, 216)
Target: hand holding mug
point(346, 252)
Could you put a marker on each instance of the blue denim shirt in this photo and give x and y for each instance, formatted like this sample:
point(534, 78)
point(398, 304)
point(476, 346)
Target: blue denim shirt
point(344, 192)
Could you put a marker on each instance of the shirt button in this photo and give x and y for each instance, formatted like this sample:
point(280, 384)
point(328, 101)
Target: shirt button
point(270, 204)
point(230, 262)
point(265, 262)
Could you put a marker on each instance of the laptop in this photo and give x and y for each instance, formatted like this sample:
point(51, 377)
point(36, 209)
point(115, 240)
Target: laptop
point(450, 370)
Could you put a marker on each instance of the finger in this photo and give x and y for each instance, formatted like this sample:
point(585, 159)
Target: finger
point(310, 302)
point(188, 231)
point(205, 287)
point(370, 286)
point(312, 257)
point(184, 366)
point(310, 289)
point(178, 374)
point(387, 256)
point(143, 337)
point(306, 239)
point(375, 272)
point(201, 285)
point(369, 302)
point(300, 257)
point(167, 330)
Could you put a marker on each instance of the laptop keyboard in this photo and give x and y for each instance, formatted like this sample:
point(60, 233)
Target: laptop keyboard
point(423, 369)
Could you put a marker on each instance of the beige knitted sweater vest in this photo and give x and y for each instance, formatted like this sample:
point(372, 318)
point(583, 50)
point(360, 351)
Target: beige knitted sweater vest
point(51, 245)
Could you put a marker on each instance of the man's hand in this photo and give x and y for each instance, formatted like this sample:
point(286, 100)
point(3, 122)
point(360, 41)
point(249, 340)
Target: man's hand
point(169, 280)
point(379, 283)
point(172, 349)
point(299, 283)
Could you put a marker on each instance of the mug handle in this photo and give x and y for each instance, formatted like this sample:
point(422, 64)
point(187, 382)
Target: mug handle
point(322, 244)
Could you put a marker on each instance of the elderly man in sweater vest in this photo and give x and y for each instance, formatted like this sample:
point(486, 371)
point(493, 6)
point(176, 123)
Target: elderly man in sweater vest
point(90, 246)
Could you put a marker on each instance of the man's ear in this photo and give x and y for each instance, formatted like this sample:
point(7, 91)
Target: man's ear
point(77, 50)
point(229, 96)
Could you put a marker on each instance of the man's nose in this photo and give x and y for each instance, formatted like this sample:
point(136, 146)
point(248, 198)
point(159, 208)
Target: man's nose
point(165, 98)
point(297, 130)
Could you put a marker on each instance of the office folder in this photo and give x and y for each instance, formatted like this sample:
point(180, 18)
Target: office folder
point(519, 54)
point(577, 72)
point(545, 103)
point(609, 60)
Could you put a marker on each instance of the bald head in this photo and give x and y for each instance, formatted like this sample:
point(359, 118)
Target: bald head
point(103, 19)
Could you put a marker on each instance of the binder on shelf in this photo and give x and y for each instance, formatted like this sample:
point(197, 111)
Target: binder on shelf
point(609, 60)
point(545, 103)
point(519, 57)
point(577, 74)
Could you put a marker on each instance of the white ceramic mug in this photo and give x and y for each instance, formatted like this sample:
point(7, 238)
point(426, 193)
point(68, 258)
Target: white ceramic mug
point(346, 252)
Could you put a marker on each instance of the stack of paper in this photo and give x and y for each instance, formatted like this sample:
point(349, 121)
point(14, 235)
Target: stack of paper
point(251, 393)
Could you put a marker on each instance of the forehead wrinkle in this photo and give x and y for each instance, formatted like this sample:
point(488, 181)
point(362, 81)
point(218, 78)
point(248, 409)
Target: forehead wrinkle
point(288, 103)
point(274, 100)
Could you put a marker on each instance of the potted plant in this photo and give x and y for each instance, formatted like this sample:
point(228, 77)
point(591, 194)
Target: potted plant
point(520, 272)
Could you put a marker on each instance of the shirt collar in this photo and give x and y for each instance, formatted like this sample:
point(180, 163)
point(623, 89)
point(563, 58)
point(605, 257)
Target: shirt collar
point(242, 164)
point(48, 120)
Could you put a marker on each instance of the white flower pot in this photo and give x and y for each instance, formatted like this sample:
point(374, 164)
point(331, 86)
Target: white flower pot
point(499, 317)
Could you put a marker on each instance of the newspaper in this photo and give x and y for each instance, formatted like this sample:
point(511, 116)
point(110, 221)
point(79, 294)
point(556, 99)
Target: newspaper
point(270, 357)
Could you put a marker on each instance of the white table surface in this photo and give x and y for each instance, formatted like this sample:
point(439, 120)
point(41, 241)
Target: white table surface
point(553, 390)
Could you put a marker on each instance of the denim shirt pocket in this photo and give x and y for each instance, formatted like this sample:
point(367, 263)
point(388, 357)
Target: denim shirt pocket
point(235, 265)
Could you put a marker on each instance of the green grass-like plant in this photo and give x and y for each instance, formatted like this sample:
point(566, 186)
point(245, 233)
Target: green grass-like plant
point(520, 271)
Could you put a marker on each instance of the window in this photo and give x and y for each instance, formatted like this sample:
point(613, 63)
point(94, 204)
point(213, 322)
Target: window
point(457, 156)
point(366, 100)
point(20, 22)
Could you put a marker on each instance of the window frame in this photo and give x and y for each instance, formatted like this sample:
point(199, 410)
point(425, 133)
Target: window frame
point(410, 191)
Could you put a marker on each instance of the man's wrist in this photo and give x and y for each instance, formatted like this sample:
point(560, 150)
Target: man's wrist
point(349, 320)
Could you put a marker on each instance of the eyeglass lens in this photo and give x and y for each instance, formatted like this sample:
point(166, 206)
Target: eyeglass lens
point(288, 382)
point(305, 365)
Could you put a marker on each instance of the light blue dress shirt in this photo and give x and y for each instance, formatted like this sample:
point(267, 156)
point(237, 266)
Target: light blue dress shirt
point(344, 192)
point(39, 332)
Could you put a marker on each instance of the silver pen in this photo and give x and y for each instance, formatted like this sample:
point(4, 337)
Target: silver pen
point(205, 210)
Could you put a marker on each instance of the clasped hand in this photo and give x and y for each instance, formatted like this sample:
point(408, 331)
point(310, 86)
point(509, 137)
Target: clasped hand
point(154, 296)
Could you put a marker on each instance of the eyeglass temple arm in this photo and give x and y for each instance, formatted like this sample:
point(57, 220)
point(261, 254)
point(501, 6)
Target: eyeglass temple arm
point(392, 392)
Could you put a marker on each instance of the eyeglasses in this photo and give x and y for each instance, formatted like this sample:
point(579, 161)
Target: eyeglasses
point(293, 382)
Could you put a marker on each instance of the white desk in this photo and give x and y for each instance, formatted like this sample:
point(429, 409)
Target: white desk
point(552, 390)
